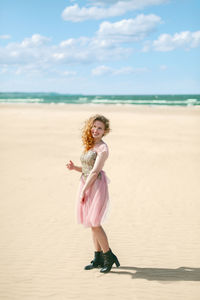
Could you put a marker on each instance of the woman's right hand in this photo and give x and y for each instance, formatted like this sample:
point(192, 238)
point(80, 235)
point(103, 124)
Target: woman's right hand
point(70, 165)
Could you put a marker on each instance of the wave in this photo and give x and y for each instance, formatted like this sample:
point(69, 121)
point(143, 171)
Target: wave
point(21, 100)
point(54, 98)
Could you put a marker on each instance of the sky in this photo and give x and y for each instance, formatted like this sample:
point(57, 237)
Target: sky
point(100, 46)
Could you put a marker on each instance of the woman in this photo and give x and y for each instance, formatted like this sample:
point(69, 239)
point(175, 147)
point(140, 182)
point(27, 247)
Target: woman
point(93, 192)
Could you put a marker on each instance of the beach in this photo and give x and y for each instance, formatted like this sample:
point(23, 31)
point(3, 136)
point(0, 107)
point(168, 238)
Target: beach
point(153, 223)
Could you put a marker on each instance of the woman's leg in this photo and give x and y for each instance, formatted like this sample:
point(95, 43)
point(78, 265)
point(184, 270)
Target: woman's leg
point(98, 256)
point(100, 239)
point(95, 241)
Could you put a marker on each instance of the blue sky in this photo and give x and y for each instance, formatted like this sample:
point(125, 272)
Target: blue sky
point(100, 46)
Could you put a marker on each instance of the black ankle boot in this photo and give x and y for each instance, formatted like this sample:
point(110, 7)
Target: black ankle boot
point(109, 260)
point(97, 261)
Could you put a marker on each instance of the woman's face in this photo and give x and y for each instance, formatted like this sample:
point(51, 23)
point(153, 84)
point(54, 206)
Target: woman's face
point(98, 130)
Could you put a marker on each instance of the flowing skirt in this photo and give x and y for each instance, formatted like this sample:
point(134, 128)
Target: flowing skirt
point(92, 212)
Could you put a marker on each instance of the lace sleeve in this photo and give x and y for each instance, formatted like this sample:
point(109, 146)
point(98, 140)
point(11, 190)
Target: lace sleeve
point(103, 148)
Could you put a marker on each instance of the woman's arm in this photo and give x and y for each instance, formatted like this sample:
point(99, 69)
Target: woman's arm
point(71, 166)
point(99, 163)
point(77, 168)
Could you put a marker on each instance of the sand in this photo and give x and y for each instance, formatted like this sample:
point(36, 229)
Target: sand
point(154, 218)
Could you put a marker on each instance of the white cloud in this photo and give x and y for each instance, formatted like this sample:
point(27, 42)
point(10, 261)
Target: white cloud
point(108, 41)
point(68, 43)
point(38, 51)
point(185, 39)
point(101, 10)
point(107, 44)
point(87, 50)
point(103, 70)
point(147, 46)
point(36, 40)
point(34, 49)
point(163, 67)
point(29, 69)
point(130, 29)
point(5, 37)
point(69, 73)
point(37, 54)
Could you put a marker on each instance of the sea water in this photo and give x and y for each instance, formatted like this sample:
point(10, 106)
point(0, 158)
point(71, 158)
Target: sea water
point(47, 98)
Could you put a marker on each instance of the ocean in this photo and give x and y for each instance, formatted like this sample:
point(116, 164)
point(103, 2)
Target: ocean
point(55, 98)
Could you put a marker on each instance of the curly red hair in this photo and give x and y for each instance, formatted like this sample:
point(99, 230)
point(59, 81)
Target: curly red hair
point(87, 138)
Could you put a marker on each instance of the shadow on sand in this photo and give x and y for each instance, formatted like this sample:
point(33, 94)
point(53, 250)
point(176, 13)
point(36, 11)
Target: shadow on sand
point(179, 274)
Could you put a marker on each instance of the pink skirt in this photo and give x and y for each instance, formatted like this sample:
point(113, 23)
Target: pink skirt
point(92, 212)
